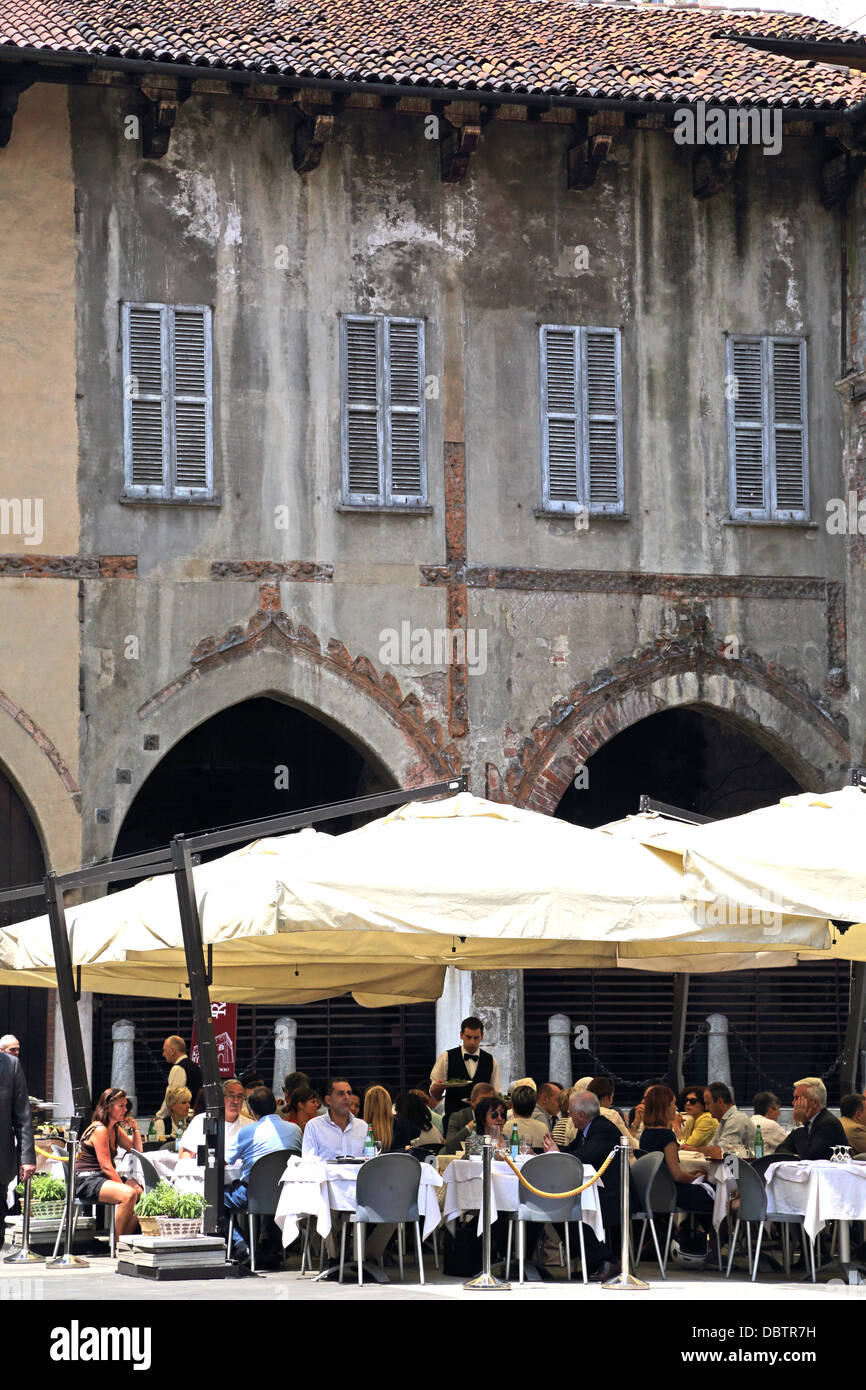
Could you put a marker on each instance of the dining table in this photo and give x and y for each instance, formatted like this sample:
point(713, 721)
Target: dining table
point(820, 1190)
point(463, 1184)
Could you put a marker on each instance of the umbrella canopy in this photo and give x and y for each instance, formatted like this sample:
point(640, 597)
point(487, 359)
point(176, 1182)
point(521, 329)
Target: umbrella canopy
point(461, 882)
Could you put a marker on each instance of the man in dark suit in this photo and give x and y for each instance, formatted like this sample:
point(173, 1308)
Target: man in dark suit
point(818, 1130)
point(17, 1155)
point(594, 1140)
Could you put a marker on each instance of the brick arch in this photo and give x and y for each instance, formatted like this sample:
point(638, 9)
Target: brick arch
point(273, 658)
point(792, 724)
point(44, 782)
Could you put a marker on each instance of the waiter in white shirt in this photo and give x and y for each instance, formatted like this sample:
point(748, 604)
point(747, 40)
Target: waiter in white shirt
point(468, 1061)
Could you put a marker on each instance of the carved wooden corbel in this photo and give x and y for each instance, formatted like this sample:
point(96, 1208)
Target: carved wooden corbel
point(161, 104)
point(9, 94)
point(711, 169)
point(592, 148)
point(318, 112)
point(460, 133)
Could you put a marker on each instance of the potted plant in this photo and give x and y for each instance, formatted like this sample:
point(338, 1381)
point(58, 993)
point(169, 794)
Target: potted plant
point(47, 1196)
point(167, 1212)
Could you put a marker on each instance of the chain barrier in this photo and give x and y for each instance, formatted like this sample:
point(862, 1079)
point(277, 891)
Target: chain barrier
point(771, 1081)
point(559, 1196)
point(603, 1070)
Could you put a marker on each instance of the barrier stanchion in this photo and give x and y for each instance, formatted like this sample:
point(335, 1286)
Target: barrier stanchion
point(624, 1280)
point(486, 1279)
point(67, 1260)
point(25, 1256)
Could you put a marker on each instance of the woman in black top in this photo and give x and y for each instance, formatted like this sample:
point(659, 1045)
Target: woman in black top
point(394, 1132)
point(96, 1177)
point(660, 1103)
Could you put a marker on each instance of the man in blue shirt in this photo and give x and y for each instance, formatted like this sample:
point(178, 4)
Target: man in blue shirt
point(268, 1135)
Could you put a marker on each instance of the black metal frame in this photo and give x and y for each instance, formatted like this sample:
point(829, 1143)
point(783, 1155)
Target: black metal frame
point(857, 995)
point(178, 858)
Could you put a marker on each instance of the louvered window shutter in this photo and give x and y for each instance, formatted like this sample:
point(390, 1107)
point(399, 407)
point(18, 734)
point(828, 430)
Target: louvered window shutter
point(405, 432)
point(767, 436)
point(146, 423)
point(788, 424)
point(362, 411)
point(603, 420)
point(192, 402)
point(747, 443)
point(581, 414)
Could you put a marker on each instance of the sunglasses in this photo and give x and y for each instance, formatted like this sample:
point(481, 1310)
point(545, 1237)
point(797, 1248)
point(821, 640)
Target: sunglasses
point(691, 1100)
point(496, 1114)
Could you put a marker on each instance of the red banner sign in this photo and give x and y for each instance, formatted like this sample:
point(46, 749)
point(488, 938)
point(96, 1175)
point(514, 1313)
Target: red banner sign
point(225, 1027)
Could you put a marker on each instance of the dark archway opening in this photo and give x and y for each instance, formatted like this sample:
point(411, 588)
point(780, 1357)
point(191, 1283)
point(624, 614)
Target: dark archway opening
point(23, 1011)
point(783, 1023)
point(685, 757)
point(261, 758)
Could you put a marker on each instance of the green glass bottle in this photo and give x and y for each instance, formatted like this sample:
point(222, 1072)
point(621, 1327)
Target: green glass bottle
point(515, 1141)
point(759, 1142)
point(151, 1132)
point(369, 1144)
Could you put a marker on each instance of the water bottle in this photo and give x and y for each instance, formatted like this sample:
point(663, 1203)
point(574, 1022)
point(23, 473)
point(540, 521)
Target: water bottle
point(369, 1143)
point(515, 1141)
point(759, 1142)
point(180, 1129)
point(151, 1132)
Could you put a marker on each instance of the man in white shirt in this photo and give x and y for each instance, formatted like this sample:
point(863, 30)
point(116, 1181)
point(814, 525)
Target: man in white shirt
point(469, 1061)
point(767, 1109)
point(233, 1099)
point(336, 1134)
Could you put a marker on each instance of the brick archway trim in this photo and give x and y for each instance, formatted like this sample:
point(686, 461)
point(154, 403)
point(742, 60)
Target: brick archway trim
point(614, 699)
point(44, 744)
point(271, 628)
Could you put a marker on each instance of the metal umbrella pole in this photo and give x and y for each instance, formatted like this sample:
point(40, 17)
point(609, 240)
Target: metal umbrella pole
point(624, 1280)
point(67, 1260)
point(25, 1256)
point(486, 1280)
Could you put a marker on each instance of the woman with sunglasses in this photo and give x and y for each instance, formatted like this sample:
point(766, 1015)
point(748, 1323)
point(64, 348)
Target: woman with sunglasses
point(700, 1127)
point(96, 1177)
point(490, 1114)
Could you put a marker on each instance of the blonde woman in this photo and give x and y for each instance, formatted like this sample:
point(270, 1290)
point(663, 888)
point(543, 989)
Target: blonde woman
point(563, 1131)
point(178, 1099)
point(394, 1132)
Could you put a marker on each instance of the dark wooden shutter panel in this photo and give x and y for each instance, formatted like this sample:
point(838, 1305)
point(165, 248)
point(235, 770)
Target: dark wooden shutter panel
point(603, 432)
point(560, 389)
point(364, 462)
point(147, 393)
point(190, 414)
point(406, 410)
point(749, 489)
point(788, 432)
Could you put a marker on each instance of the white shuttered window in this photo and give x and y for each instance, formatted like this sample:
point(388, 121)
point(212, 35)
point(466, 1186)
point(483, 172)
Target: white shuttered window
point(768, 454)
point(581, 419)
point(383, 423)
point(168, 401)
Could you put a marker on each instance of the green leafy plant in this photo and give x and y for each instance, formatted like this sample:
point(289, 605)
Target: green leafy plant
point(44, 1188)
point(165, 1200)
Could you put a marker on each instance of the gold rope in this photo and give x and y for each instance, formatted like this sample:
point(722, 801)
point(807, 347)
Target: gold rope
point(557, 1196)
point(58, 1158)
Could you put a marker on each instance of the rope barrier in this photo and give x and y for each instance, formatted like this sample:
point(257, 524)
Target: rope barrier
point(560, 1196)
point(55, 1158)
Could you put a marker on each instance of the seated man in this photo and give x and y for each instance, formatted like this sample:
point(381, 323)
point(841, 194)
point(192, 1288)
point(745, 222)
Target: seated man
point(595, 1137)
point(853, 1111)
point(462, 1122)
point(233, 1120)
point(267, 1134)
point(735, 1134)
point(767, 1108)
point(338, 1133)
point(816, 1131)
point(547, 1105)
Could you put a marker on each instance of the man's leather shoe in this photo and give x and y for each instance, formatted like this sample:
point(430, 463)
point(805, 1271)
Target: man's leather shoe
point(240, 1253)
point(604, 1272)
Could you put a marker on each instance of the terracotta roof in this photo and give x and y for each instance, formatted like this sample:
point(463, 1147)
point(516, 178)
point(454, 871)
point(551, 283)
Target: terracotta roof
point(647, 53)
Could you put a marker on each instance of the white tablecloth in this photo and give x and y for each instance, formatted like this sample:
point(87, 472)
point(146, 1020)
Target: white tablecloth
point(182, 1173)
point(716, 1175)
point(311, 1187)
point(463, 1192)
point(820, 1191)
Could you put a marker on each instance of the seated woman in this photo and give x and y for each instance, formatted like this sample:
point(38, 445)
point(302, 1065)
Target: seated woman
point(178, 1099)
point(700, 1127)
point(412, 1108)
point(489, 1119)
point(438, 1120)
point(394, 1132)
point(563, 1131)
point(96, 1178)
point(660, 1105)
point(304, 1105)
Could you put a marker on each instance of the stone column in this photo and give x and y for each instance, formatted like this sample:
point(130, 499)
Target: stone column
point(123, 1059)
point(559, 1067)
point(498, 1000)
point(285, 1037)
point(62, 1084)
point(453, 1005)
point(718, 1061)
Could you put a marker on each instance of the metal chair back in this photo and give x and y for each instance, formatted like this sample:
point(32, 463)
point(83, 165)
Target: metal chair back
point(388, 1189)
point(552, 1173)
point(149, 1175)
point(263, 1183)
point(753, 1194)
point(653, 1185)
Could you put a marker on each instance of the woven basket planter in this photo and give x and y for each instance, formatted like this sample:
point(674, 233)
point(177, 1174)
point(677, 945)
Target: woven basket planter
point(177, 1228)
point(47, 1211)
point(149, 1225)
